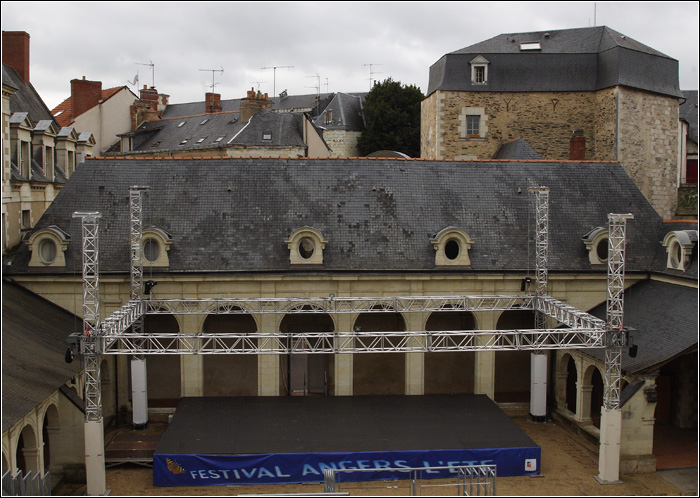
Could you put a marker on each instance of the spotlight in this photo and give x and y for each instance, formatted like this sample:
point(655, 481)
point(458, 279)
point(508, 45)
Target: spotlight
point(69, 355)
point(633, 351)
point(525, 283)
point(148, 286)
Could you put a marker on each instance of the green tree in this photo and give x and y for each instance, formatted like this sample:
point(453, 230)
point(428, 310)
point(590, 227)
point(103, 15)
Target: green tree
point(392, 119)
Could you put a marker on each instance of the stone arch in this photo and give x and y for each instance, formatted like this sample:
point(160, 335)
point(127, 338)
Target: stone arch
point(230, 374)
point(51, 426)
point(594, 379)
point(302, 373)
point(450, 372)
point(512, 376)
point(27, 452)
point(568, 365)
point(379, 373)
point(162, 370)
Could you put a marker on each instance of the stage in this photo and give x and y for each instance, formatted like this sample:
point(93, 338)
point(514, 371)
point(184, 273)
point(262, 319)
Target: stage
point(276, 440)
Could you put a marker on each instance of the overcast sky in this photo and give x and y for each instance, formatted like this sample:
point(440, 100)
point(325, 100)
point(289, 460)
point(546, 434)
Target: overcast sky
point(335, 45)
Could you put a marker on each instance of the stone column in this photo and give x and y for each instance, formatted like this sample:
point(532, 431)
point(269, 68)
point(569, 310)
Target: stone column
point(415, 362)
point(268, 364)
point(485, 361)
point(191, 366)
point(344, 361)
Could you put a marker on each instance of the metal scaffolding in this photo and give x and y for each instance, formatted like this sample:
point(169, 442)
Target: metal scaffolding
point(90, 345)
point(541, 247)
point(617, 227)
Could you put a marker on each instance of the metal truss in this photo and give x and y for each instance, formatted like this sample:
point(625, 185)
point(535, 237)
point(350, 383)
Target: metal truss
point(90, 344)
point(333, 304)
point(617, 226)
point(542, 247)
point(355, 342)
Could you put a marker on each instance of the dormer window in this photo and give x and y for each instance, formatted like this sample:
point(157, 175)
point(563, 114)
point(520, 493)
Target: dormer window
point(679, 248)
point(306, 246)
point(452, 247)
point(480, 70)
point(156, 244)
point(48, 247)
point(596, 242)
point(267, 135)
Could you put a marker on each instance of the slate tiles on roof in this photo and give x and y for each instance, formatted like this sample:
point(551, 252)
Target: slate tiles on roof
point(688, 111)
point(582, 59)
point(26, 98)
point(233, 214)
point(34, 334)
point(665, 319)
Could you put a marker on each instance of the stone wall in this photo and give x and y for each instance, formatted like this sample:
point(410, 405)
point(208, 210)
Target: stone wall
point(342, 143)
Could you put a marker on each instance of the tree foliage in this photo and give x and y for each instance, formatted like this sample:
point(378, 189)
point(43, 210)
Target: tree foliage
point(392, 119)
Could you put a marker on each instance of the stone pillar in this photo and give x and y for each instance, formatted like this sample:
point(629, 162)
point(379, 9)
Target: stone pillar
point(344, 361)
point(95, 458)
point(583, 403)
point(609, 457)
point(485, 361)
point(268, 364)
point(415, 362)
point(191, 366)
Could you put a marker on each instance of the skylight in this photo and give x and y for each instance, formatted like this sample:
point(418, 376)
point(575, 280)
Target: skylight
point(181, 124)
point(530, 46)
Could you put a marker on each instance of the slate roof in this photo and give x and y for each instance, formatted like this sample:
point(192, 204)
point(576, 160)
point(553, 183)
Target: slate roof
point(26, 98)
point(234, 214)
point(581, 59)
point(665, 319)
point(220, 130)
point(34, 333)
point(517, 149)
point(346, 113)
point(688, 111)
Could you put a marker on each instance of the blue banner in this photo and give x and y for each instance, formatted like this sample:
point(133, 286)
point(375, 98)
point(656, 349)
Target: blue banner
point(292, 468)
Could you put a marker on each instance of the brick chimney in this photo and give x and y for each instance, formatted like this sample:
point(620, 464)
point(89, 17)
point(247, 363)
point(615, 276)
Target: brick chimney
point(85, 95)
point(150, 96)
point(15, 52)
point(253, 103)
point(212, 103)
point(577, 146)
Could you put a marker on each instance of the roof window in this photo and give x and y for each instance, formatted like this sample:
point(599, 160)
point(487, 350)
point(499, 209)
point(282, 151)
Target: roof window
point(219, 139)
point(530, 46)
point(207, 119)
point(267, 135)
point(181, 125)
point(306, 246)
point(452, 247)
point(200, 140)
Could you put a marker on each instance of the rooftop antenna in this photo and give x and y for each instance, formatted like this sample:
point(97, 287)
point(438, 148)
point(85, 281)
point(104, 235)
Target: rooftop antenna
point(153, 71)
point(274, 75)
point(595, 6)
point(213, 73)
point(371, 73)
point(326, 85)
point(258, 83)
point(318, 85)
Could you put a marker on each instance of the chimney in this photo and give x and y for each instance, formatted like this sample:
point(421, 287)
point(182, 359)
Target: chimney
point(85, 95)
point(577, 146)
point(212, 103)
point(253, 103)
point(149, 96)
point(15, 52)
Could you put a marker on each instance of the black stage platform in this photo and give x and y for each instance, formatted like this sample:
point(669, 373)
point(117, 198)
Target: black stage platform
point(254, 440)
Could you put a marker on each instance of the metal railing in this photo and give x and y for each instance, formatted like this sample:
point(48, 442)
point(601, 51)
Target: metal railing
point(26, 485)
point(472, 480)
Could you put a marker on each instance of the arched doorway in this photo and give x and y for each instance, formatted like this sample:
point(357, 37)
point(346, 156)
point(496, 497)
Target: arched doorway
point(449, 372)
point(50, 427)
point(571, 381)
point(162, 370)
point(379, 373)
point(303, 374)
point(594, 379)
point(230, 374)
point(512, 377)
point(27, 455)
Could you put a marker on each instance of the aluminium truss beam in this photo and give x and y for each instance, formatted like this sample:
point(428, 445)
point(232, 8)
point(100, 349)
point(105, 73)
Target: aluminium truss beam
point(541, 247)
point(355, 342)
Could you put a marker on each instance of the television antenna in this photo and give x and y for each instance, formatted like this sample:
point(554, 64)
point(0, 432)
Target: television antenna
point(153, 71)
point(371, 73)
point(213, 73)
point(318, 84)
point(274, 75)
point(258, 83)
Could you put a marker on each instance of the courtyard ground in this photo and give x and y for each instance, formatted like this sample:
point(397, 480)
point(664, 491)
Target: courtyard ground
point(569, 464)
